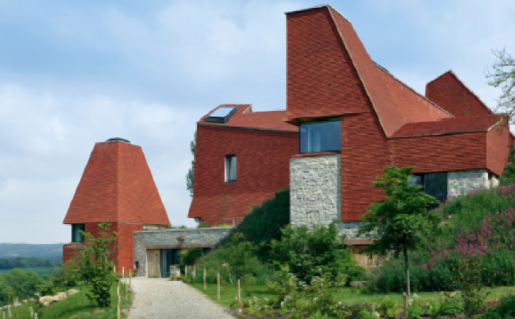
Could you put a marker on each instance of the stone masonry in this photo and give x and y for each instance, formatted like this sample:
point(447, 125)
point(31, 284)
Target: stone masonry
point(462, 182)
point(169, 239)
point(315, 190)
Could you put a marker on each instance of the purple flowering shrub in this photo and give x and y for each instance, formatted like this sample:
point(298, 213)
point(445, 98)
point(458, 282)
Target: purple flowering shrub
point(481, 225)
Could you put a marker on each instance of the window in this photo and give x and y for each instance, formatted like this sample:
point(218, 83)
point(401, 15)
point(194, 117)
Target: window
point(77, 237)
point(221, 114)
point(230, 168)
point(320, 136)
point(434, 184)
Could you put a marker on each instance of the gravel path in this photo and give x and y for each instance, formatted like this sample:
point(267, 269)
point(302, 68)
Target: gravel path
point(161, 298)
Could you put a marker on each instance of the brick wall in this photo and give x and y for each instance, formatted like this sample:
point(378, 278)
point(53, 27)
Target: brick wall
point(262, 168)
point(498, 149)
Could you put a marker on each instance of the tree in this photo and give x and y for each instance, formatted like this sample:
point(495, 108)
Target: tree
point(96, 266)
point(400, 221)
point(503, 76)
point(189, 176)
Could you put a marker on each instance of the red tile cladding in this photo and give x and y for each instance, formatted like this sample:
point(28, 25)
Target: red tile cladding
point(262, 168)
point(450, 93)
point(123, 256)
point(498, 145)
point(245, 118)
point(441, 153)
point(364, 153)
point(117, 184)
point(449, 126)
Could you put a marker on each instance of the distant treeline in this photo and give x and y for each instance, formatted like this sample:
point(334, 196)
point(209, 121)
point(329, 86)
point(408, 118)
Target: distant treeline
point(31, 262)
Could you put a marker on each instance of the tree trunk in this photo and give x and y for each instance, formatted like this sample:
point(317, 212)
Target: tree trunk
point(406, 265)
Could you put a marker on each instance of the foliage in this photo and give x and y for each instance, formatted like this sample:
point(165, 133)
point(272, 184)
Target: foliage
point(190, 256)
point(237, 258)
point(223, 225)
point(309, 252)
point(506, 309)
point(203, 225)
point(181, 278)
point(389, 307)
point(400, 221)
point(190, 175)
point(247, 283)
point(415, 312)
point(18, 283)
point(31, 262)
point(503, 76)
point(452, 304)
point(264, 223)
point(96, 265)
point(508, 174)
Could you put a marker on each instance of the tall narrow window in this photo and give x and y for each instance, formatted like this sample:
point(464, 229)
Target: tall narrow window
point(77, 237)
point(230, 168)
point(320, 136)
point(435, 184)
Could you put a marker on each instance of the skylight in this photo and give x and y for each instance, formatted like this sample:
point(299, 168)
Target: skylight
point(221, 114)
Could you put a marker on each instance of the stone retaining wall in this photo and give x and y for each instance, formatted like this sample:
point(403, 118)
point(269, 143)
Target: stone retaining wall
point(168, 239)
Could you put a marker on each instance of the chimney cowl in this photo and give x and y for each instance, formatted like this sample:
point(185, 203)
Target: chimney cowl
point(118, 139)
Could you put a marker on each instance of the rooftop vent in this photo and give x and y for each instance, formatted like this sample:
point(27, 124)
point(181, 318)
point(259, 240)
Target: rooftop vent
point(118, 139)
point(221, 114)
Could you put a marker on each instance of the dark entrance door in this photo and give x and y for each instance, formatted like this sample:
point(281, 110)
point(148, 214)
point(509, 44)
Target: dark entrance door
point(169, 257)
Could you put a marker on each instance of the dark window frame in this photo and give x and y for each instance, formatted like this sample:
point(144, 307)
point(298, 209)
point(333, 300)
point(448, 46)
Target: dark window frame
point(228, 166)
point(76, 233)
point(320, 121)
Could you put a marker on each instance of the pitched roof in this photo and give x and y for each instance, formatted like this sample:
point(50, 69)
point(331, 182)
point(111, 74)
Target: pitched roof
point(394, 105)
point(245, 118)
point(452, 94)
point(117, 184)
point(449, 126)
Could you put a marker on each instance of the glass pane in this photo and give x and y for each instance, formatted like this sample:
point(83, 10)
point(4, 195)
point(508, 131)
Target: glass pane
point(323, 136)
point(221, 112)
point(416, 180)
point(435, 184)
point(232, 168)
point(76, 235)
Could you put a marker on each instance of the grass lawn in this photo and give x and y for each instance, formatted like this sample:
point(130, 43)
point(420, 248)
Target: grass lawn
point(228, 293)
point(76, 306)
point(38, 270)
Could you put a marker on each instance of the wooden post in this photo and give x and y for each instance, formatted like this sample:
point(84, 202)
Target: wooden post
point(35, 315)
point(118, 299)
point(204, 278)
point(9, 311)
point(3, 313)
point(130, 280)
point(405, 300)
point(185, 271)
point(194, 272)
point(114, 269)
point(125, 286)
point(123, 272)
point(239, 295)
point(31, 312)
point(218, 283)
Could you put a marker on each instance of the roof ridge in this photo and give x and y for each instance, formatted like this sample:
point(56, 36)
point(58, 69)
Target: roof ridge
point(409, 87)
point(463, 84)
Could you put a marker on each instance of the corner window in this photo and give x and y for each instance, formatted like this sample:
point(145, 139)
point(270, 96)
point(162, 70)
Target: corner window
point(77, 237)
point(320, 136)
point(230, 168)
point(435, 184)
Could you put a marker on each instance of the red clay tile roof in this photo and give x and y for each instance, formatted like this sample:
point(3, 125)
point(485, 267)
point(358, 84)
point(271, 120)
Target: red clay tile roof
point(448, 126)
point(245, 118)
point(394, 103)
point(117, 184)
point(452, 94)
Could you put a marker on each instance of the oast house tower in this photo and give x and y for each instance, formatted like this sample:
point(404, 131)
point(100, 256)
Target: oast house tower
point(116, 185)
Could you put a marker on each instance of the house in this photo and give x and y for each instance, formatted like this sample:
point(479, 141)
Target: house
point(346, 118)
point(116, 185)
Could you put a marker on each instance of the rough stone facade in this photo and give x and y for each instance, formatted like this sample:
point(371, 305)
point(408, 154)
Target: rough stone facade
point(462, 182)
point(315, 190)
point(169, 239)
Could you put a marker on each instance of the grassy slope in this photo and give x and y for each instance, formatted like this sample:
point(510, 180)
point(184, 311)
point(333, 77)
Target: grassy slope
point(228, 293)
point(75, 306)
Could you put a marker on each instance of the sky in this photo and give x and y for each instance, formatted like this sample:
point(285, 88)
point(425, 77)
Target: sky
point(73, 73)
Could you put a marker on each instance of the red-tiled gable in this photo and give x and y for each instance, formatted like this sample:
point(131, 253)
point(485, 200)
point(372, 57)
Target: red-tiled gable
point(448, 126)
point(450, 93)
point(245, 118)
point(117, 184)
point(393, 102)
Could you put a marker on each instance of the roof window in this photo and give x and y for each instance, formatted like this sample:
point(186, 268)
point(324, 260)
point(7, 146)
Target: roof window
point(221, 114)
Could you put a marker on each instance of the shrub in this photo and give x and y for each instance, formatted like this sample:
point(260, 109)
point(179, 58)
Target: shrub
point(308, 252)
point(18, 282)
point(415, 312)
point(189, 257)
point(506, 309)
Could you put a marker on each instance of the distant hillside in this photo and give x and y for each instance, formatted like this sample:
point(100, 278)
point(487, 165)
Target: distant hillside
point(44, 251)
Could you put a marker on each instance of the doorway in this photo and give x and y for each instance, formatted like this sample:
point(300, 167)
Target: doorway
point(154, 263)
point(169, 257)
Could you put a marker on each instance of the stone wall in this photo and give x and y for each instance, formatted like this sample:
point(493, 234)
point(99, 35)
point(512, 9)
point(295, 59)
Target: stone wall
point(168, 239)
point(315, 190)
point(462, 182)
